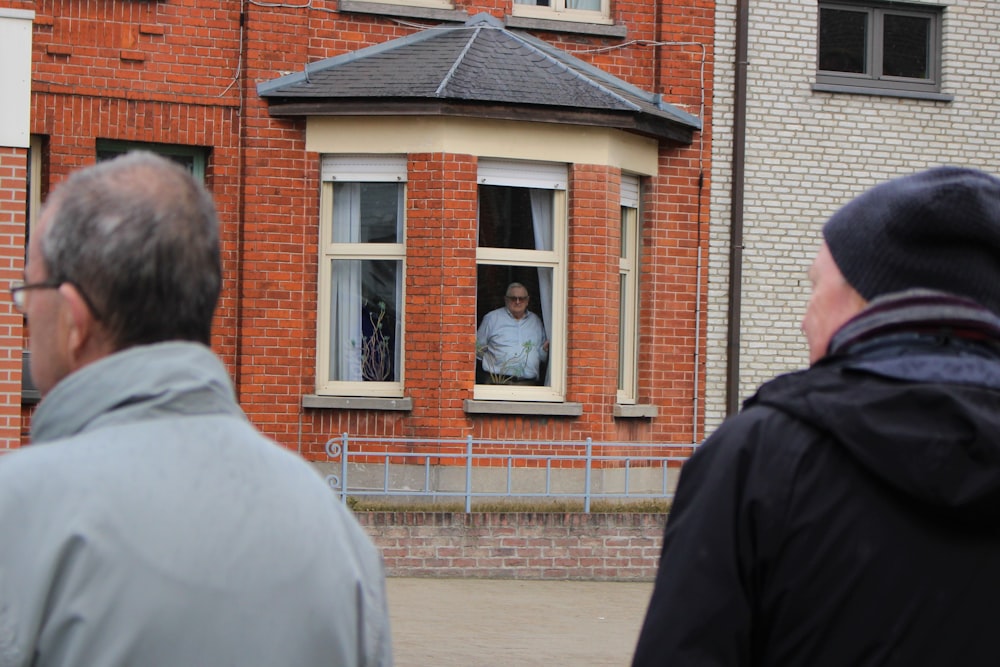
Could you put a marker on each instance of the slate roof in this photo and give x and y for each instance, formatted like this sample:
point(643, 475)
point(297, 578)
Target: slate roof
point(476, 69)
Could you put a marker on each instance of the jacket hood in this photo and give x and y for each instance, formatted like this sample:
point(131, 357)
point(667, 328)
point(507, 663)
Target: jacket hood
point(917, 406)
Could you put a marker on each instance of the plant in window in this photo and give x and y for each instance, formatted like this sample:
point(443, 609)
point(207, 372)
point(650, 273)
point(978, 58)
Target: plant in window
point(376, 349)
point(511, 366)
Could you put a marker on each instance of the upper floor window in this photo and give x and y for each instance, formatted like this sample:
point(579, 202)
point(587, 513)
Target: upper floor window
point(360, 321)
point(595, 11)
point(521, 278)
point(880, 46)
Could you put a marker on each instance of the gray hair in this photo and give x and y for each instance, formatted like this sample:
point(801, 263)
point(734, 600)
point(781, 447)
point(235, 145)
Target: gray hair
point(513, 286)
point(139, 237)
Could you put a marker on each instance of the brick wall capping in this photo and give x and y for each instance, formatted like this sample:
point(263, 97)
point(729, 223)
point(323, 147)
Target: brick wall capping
point(357, 403)
point(638, 411)
point(472, 406)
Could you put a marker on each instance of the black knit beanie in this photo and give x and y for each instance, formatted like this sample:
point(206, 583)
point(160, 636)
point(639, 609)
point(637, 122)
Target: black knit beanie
point(937, 229)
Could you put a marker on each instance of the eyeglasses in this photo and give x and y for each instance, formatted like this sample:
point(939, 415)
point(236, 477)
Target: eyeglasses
point(517, 299)
point(20, 299)
point(18, 296)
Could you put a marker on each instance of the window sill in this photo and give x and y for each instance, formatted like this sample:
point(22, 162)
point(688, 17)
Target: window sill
point(576, 27)
point(885, 92)
point(643, 411)
point(357, 403)
point(472, 406)
point(387, 9)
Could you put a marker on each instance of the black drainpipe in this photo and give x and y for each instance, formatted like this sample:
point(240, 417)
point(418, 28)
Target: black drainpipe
point(736, 210)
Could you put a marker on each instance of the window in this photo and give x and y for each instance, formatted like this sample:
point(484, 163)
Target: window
point(628, 279)
point(192, 158)
point(361, 276)
point(594, 11)
point(878, 46)
point(520, 342)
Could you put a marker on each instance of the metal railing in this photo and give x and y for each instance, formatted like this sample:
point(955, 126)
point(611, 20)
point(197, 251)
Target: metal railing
point(412, 468)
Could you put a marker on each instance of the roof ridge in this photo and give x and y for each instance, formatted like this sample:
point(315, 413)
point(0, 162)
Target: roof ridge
point(458, 61)
point(573, 72)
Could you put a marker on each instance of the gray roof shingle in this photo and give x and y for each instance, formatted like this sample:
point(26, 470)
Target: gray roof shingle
point(479, 68)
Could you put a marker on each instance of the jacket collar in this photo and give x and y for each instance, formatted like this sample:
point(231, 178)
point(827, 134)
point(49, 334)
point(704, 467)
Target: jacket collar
point(137, 384)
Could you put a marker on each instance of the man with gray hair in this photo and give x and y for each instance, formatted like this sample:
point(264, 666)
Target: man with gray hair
point(850, 514)
point(511, 342)
point(149, 523)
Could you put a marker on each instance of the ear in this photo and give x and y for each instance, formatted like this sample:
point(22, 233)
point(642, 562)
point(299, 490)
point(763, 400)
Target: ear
point(80, 325)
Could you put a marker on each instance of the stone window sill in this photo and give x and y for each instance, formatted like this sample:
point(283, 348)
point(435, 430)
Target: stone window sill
point(357, 403)
point(472, 406)
point(641, 411)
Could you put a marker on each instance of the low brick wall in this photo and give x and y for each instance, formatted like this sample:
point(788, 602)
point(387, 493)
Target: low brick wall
point(515, 545)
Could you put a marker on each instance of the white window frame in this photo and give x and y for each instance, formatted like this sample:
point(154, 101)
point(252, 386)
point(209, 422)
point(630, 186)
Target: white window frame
point(628, 273)
point(558, 10)
point(537, 175)
point(356, 169)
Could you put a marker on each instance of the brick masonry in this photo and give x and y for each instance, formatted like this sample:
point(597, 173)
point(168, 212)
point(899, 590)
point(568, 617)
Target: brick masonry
point(808, 152)
point(518, 545)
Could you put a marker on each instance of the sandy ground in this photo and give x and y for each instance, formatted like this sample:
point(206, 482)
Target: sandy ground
point(490, 623)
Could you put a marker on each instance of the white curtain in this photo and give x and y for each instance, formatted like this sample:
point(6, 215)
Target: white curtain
point(345, 348)
point(541, 222)
point(584, 4)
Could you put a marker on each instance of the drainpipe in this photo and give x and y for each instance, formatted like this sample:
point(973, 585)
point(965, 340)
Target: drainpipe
point(736, 209)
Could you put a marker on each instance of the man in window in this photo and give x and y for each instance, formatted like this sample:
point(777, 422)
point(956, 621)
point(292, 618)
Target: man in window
point(511, 342)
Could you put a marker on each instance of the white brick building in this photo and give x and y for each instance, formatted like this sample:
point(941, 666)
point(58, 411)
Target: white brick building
point(807, 151)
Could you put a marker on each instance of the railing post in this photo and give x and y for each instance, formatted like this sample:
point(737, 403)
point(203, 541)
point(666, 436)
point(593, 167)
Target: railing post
point(468, 474)
point(343, 472)
point(586, 484)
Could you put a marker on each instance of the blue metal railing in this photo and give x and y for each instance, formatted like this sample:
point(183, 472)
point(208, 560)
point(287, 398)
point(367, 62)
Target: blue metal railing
point(618, 458)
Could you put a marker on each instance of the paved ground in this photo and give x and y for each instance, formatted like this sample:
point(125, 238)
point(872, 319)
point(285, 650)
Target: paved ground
point(489, 623)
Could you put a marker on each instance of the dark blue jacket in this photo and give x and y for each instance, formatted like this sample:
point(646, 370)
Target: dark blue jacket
point(850, 514)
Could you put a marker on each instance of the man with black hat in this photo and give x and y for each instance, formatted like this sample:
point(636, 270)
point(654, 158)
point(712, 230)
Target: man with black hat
point(850, 514)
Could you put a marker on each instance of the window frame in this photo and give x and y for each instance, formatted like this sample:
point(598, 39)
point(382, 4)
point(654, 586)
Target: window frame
point(544, 176)
point(558, 11)
point(872, 81)
point(628, 275)
point(108, 148)
point(356, 169)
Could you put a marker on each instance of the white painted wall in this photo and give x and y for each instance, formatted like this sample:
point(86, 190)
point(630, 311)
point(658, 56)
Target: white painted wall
point(15, 76)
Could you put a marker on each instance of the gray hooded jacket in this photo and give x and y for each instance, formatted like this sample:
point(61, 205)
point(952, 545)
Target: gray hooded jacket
point(151, 524)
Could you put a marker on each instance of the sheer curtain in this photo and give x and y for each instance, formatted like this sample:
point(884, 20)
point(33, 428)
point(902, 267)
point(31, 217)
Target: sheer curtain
point(584, 4)
point(541, 222)
point(345, 348)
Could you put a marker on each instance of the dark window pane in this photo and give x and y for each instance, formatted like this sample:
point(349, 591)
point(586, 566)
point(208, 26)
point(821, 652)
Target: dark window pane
point(842, 38)
point(505, 219)
point(906, 46)
point(367, 212)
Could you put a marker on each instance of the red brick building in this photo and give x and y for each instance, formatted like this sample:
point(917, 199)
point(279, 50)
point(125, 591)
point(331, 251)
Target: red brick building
point(382, 171)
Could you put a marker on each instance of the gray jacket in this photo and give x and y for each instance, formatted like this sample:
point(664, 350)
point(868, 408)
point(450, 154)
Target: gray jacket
point(151, 524)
